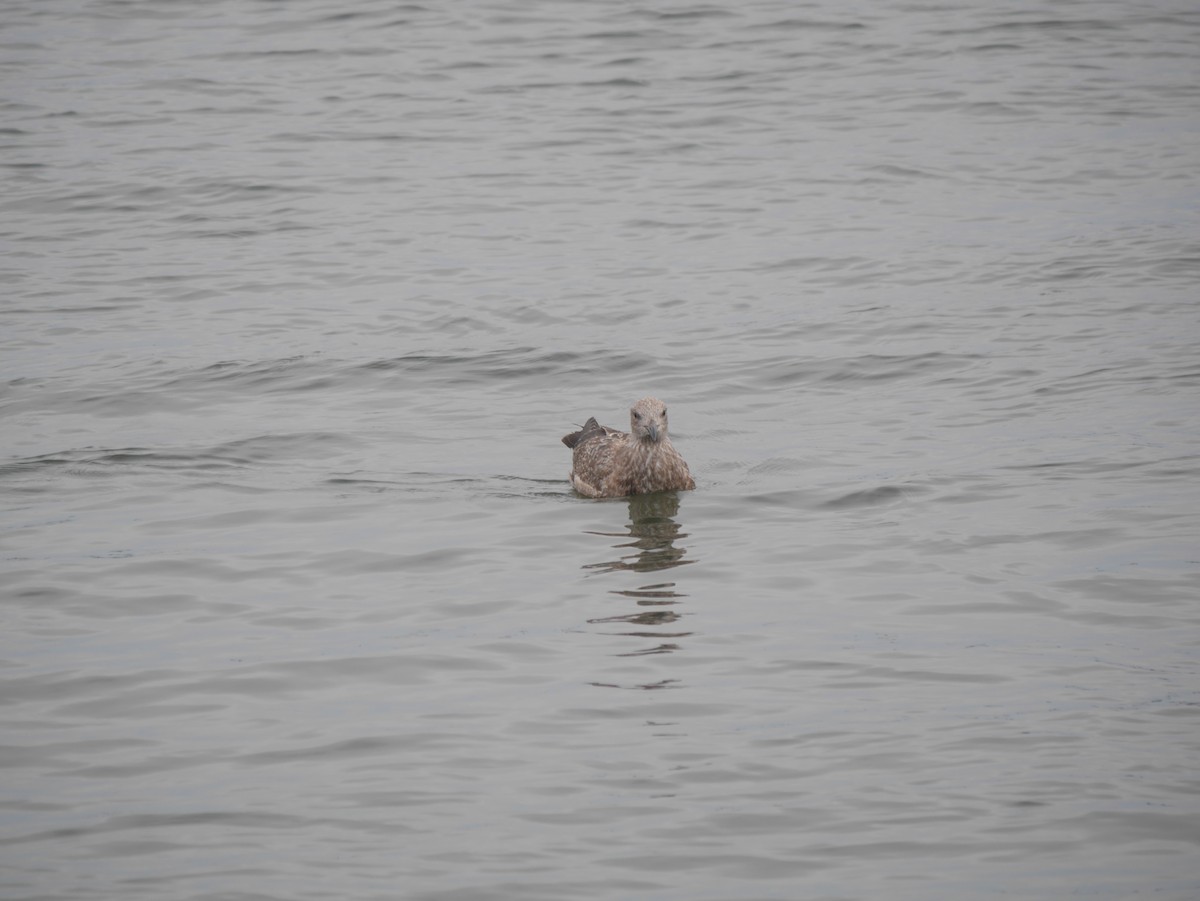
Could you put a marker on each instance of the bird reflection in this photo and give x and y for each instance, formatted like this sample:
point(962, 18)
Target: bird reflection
point(654, 532)
point(648, 545)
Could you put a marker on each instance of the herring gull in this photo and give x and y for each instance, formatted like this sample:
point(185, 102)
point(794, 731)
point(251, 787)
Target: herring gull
point(609, 463)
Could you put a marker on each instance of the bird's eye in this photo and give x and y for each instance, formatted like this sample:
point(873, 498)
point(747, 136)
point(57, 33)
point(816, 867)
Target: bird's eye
point(637, 415)
point(664, 413)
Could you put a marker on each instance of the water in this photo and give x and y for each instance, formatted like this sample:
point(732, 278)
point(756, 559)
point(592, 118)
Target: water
point(299, 299)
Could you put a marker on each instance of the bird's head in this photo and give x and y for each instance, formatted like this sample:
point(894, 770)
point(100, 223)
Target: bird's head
point(648, 420)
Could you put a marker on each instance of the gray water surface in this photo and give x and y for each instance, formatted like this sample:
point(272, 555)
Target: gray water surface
point(296, 601)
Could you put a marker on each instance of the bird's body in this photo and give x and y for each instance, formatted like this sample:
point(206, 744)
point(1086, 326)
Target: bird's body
point(609, 463)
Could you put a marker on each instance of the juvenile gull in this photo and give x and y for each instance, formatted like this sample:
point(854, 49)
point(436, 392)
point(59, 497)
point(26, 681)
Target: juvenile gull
point(609, 463)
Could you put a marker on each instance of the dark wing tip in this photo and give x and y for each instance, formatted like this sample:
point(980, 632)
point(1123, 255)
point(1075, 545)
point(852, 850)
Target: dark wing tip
point(590, 428)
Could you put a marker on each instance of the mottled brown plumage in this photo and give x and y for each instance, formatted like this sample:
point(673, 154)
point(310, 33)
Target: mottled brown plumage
point(609, 463)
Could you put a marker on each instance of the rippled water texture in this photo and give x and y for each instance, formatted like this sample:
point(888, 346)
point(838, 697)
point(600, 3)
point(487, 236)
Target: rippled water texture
point(299, 299)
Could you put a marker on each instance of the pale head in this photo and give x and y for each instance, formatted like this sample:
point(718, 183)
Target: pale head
point(648, 420)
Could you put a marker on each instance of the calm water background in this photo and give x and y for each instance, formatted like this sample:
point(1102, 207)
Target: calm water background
point(298, 300)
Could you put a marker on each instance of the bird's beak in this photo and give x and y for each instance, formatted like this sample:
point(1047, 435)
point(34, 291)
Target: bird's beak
point(653, 429)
